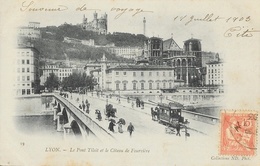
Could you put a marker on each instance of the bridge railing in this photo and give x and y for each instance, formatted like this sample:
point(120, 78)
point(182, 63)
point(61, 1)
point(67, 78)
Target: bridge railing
point(98, 130)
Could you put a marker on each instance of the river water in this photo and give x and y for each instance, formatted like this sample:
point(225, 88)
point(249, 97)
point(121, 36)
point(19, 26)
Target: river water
point(34, 117)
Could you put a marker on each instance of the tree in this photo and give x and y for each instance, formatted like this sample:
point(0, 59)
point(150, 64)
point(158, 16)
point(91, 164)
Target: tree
point(77, 80)
point(52, 82)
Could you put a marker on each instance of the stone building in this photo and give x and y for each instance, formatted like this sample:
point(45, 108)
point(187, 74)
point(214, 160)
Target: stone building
point(60, 70)
point(31, 31)
point(153, 50)
point(139, 78)
point(27, 76)
point(98, 25)
point(215, 73)
point(126, 52)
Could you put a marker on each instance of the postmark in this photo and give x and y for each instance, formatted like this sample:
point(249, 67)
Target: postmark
point(238, 133)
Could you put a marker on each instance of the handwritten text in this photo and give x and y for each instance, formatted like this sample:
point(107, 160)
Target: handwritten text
point(210, 18)
point(239, 31)
point(122, 11)
point(31, 8)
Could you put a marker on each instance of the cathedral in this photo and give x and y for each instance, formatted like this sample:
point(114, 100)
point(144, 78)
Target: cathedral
point(98, 25)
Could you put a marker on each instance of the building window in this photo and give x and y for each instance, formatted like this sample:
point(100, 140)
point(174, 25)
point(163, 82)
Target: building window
point(170, 74)
point(164, 85)
point(28, 69)
point(18, 78)
point(22, 61)
point(134, 74)
point(28, 91)
point(18, 70)
point(150, 85)
point(134, 86)
point(28, 78)
point(117, 86)
point(150, 73)
point(142, 85)
point(117, 73)
point(158, 85)
point(164, 74)
point(178, 76)
point(28, 61)
point(23, 78)
point(170, 85)
point(124, 86)
point(23, 70)
point(142, 73)
point(124, 73)
point(23, 91)
point(157, 73)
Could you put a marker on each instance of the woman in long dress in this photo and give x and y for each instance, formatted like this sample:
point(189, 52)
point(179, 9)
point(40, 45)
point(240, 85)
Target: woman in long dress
point(120, 129)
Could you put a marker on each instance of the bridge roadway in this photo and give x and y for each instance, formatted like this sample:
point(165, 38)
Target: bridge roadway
point(145, 127)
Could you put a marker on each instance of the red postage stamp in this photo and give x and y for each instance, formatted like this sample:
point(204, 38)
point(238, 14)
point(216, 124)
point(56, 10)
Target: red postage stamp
point(238, 133)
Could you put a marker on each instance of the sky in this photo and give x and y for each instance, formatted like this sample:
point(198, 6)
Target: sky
point(162, 17)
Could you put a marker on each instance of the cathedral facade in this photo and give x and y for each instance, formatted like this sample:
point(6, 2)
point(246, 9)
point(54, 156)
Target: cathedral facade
point(98, 25)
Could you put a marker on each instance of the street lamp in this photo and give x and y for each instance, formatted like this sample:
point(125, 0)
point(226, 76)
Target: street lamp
point(119, 96)
point(161, 97)
point(107, 99)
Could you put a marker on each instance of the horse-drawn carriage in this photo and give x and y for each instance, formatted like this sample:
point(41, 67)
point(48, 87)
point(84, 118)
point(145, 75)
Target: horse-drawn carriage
point(110, 111)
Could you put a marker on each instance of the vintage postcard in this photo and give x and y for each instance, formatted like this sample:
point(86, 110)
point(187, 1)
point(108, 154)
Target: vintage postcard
point(126, 83)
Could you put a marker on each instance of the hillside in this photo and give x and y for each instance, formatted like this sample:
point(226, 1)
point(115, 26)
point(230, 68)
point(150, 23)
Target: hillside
point(74, 31)
point(53, 49)
point(51, 44)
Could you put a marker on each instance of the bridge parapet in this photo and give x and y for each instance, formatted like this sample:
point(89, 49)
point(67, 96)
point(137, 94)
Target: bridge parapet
point(84, 121)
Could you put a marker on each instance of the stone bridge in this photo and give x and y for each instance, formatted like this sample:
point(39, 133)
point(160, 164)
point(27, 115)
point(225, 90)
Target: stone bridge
point(73, 121)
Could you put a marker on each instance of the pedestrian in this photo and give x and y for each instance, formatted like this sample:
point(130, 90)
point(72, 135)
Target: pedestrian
point(178, 128)
point(83, 106)
point(120, 128)
point(152, 113)
point(142, 104)
point(130, 129)
point(86, 101)
point(99, 116)
point(80, 107)
point(133, 104)
point(88, 105)
point(111, 126)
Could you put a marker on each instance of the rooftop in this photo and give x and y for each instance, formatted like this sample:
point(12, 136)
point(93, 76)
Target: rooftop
point(214, 62)
point(170, 44)
point(140, 67)
point(192, 39)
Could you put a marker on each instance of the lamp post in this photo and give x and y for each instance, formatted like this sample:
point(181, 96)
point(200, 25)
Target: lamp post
point(161, 97)
point(107, 99)
point(119, 97)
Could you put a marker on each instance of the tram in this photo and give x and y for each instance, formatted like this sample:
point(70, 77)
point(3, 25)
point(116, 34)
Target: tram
point(170, 114)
